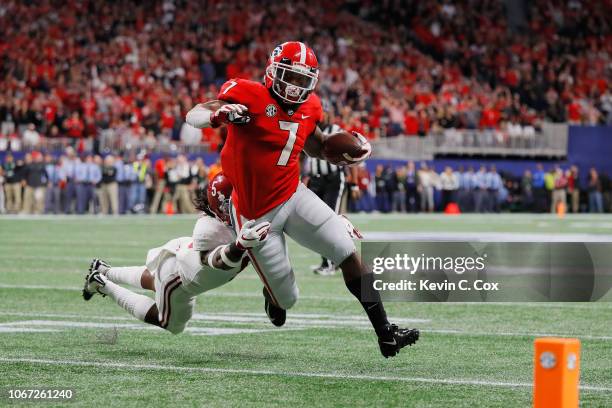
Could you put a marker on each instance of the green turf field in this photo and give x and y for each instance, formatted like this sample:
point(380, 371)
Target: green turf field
point(469, 354)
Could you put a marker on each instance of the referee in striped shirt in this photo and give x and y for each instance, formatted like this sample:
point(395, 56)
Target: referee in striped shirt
point(326, 180)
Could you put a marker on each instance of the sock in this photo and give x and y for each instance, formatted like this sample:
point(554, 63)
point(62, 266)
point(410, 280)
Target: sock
point(129, 275)
point(135, 304)
point(361, 287)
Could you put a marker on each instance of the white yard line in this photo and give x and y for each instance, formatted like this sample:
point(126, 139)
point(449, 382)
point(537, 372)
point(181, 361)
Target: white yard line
point(348, 298)
point(332, 375)
point(485, 236)
point(25, 330)
point(298, 321)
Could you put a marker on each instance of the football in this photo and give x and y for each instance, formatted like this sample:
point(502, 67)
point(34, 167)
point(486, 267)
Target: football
point(345, 148)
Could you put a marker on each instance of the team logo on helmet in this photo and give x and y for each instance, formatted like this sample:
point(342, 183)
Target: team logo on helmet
point(276, 51)
point(270, 111)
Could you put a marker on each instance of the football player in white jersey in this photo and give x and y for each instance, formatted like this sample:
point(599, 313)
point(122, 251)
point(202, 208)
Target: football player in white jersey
point(184, 267)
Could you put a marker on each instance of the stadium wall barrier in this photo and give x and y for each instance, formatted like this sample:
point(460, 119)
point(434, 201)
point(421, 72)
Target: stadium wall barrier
point(587, 146)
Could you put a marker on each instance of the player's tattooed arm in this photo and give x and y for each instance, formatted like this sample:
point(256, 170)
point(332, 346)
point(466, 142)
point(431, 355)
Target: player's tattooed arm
point(314, 144)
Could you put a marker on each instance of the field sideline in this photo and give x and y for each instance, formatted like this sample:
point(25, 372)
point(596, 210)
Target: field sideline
point(326, 355)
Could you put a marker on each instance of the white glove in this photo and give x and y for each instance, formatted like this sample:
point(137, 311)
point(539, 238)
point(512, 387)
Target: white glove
point(354, 161)
point(251, 235)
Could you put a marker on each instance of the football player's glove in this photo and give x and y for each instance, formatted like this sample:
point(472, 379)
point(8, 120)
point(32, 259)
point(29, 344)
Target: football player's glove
point(232, 113)
point(393, 339)
point(251, 235)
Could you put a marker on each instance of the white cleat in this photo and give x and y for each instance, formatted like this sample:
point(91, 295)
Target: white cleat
point(325, 271)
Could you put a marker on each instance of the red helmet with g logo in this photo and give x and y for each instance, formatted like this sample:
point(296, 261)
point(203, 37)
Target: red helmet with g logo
point(292, 72)
point(218, 193)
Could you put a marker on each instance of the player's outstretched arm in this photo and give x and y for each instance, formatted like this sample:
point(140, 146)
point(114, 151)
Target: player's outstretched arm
point(227, 257)
point(216, 113)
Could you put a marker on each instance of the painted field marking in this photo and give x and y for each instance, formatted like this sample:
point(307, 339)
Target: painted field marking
point(485, 236)
point(328, 375)
point(4, 329)
point(18, 326)
point(298, 321)
point(347, 298)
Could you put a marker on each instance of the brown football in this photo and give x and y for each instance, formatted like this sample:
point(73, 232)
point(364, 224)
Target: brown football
point(344, 148)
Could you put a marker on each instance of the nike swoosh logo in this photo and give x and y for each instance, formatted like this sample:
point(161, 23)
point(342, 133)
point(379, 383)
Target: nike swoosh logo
point(305, 116)
point(391, 343)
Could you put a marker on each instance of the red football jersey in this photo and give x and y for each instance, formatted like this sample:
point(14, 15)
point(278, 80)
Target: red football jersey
point(261, 158)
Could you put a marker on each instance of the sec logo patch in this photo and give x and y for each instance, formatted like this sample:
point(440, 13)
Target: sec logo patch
point(270, 111)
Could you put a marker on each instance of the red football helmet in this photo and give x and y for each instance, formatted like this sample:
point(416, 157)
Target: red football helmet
point(292, 72)
point(219, 192)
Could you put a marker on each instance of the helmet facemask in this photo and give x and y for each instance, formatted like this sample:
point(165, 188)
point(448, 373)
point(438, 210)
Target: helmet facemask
point(292, 83)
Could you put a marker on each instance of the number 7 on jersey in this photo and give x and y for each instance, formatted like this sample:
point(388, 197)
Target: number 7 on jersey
point(292, 127)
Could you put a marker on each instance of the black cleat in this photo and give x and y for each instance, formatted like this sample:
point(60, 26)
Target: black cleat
point(276, 314)
point(394, 339)
point(93, 279)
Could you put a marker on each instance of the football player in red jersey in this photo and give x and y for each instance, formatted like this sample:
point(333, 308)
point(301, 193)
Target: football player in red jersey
point(269, 124)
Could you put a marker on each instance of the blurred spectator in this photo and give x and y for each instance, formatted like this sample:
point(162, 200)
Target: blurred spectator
point(573, 188)
point(539, 189)
point(56, 180)
point(87, 175)
point(12, 179)
point(383, 202)
point(399, 192)
point(427, 181)
point(124, 180)
point(481, 196)
point(159, 183)
point(527, 190)
point(365, 202)
point(31, 138)
point(466, 190)
point(138, 189)
point(595, 189)
point(412, 195)
point(606, 191)
point(98, 162)
point(69, 165)
point(2, 207)
point(549, 183)
point(495, 187)
point(35, 183)
point(559, 196)
point(109, 195)
point(183, 186)
point(449, 184)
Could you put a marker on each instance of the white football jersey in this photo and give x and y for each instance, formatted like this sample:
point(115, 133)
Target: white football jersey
point(208, 234)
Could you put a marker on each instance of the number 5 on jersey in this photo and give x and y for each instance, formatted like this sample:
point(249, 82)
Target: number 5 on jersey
point(292, 127)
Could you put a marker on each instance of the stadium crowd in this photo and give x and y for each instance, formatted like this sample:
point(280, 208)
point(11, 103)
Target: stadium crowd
point(128, 71)
point(409, 188)
point(109, 77)
point(74, 184)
